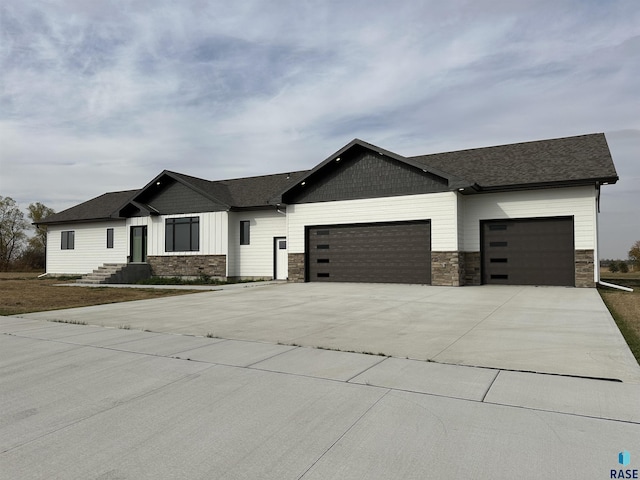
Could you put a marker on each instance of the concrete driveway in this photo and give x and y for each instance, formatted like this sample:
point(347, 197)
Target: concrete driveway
point(83, 402)
point(556, 330)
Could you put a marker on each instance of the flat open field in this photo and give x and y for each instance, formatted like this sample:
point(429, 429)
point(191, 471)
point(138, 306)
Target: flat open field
point(24, 293)
point(624, 306)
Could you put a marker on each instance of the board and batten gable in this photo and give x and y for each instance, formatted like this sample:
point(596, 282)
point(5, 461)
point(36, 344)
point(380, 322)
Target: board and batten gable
point(90, 247)
point(440, 208)
point(176, 198)
point(256, 258)
point(367, 175)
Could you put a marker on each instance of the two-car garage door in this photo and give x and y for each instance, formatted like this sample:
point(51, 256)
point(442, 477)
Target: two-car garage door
point(393, 252)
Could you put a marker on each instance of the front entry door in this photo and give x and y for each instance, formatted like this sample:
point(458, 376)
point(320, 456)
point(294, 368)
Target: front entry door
point(281, 259)
point(139, 244)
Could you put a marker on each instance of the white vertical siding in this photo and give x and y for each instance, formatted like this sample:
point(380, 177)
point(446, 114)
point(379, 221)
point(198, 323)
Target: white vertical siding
point(90, 247)
point(440, 208)
point(579, 202)
point(255, 259)
point(213, 233)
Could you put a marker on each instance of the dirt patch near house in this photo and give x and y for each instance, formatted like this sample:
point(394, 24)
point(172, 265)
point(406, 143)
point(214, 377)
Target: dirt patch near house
point(25, 293)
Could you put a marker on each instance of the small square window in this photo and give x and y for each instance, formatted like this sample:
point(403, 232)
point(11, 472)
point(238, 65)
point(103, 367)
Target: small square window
point(244, 232)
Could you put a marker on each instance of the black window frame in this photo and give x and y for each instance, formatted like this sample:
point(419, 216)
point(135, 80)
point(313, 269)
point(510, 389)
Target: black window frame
point(110, 237)
point(68, 240)
point(245, 232)
point(170, 234)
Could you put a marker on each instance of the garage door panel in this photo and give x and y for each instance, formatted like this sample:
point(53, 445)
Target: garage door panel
point(384, 252)
point(528, 251)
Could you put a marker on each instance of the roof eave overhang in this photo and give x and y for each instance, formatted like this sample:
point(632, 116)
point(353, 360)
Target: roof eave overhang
point(82, 220)
point(269, 206)
point(538, 185)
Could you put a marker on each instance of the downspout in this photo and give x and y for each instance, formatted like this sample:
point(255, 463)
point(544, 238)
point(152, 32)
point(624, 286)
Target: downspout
point(597, 259)
point(612, 285)
point(596, 251)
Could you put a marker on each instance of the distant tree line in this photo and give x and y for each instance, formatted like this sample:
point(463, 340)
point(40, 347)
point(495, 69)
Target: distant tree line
point(623, 266)
point(18, 251)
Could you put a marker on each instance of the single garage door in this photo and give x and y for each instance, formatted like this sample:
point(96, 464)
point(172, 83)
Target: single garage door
point(528, 251)
point(397, 252)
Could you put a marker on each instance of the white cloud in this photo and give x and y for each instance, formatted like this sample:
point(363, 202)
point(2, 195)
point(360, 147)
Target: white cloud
point(101, 96)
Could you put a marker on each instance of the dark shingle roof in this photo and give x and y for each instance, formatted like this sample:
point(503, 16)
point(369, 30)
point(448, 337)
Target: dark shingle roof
point(571, 160)
point(244, 192)
point(585, 157)
point(257, 191)
point(98, 208)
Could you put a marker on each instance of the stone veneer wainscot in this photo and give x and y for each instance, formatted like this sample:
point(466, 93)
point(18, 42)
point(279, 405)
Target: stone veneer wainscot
point(188, 265)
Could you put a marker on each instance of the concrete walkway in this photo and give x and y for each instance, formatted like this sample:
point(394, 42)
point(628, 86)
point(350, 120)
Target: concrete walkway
point(558, 330)
point(80, 402)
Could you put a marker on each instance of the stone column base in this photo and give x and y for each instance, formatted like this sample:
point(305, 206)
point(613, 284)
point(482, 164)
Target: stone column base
point(585, 268)
point(472, 274)
point(447, 269)
point(296, 267)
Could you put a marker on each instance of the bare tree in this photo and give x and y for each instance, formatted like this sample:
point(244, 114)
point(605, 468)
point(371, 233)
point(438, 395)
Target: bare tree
point(12, 227)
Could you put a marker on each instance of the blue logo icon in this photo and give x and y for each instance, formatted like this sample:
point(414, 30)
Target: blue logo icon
point(624, 458)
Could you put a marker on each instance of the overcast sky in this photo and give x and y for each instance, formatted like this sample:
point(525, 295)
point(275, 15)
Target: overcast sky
point(102, 96)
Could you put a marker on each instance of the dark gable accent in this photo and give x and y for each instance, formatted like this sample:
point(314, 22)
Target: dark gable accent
point(173, 197)
point(365, 175)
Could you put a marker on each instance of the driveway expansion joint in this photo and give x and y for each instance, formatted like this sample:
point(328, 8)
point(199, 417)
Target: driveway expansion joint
point(490, 385)
point(366, 369)
point(344, 433)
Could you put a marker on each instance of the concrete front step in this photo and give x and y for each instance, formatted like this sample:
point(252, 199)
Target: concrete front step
point(117, 273)
point(103, 273)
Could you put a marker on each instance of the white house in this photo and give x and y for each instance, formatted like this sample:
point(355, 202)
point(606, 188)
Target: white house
point(524, 213)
